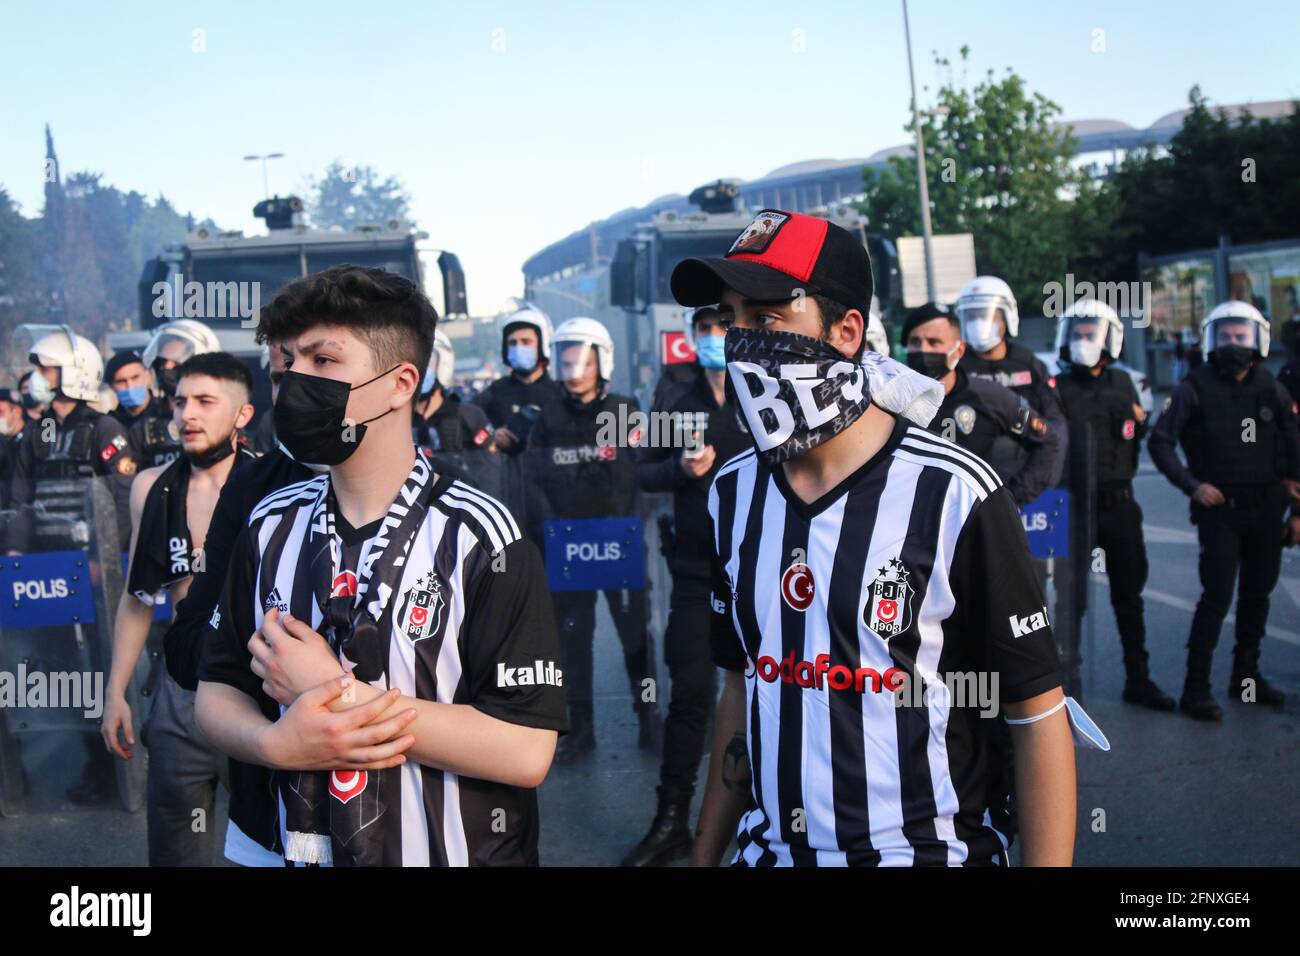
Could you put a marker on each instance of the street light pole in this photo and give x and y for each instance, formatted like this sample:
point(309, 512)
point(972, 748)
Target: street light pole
point(266, 189)
point(921, 181)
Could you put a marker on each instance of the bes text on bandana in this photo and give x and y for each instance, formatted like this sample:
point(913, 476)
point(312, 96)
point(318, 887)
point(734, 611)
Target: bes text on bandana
point(797, 391)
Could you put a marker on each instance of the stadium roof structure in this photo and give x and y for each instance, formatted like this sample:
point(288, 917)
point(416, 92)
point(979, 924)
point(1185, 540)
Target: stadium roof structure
point(814, 183)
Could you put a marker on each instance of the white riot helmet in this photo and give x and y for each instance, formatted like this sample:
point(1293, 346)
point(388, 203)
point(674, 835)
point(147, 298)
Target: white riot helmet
point(81, 367)
point(1088, 329)
point(442, 364)
point(877, 339)
point(532, 316)
point(977, 309)
point(1237, 323)
point(196, 338)
point(588, 332)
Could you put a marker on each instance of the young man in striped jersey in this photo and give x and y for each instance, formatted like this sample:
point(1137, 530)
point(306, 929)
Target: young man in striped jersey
point(415, 730)
point(869, 576)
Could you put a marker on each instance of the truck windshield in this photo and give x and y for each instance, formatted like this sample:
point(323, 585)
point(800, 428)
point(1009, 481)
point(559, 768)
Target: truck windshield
point(704, 245)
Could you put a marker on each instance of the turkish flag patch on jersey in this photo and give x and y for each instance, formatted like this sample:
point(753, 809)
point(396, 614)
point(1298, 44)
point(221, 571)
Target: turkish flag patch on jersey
point(798, 587)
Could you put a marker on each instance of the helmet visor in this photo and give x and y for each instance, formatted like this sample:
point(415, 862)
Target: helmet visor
point(1231, 331)
point(981, 325)
point(575, 358)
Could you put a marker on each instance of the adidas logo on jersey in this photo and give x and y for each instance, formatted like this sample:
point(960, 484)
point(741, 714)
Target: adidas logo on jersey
point(541, 672)
point(1024, 626)
point(273, 600)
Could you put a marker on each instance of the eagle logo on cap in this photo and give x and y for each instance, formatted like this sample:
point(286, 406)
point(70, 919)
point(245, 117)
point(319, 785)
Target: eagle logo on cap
point(758, 235)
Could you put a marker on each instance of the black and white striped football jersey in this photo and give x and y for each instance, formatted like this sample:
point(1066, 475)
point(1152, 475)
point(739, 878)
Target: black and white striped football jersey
point(880, 628)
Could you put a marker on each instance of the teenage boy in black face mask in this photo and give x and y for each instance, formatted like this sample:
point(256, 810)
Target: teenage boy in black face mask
point(414, 731)
point(977, 413)
point(170, 509)
point(857, 554)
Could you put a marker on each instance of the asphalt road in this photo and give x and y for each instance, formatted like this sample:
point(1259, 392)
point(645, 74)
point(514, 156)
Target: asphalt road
point(1171, 792)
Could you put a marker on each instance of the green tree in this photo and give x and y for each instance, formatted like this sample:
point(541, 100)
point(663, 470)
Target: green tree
point(998, 165)
point(1218, 176)
point(350, 195)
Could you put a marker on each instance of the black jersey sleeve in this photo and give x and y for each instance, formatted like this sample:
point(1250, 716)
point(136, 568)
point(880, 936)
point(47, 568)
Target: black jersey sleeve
point(511, 648)
point(224, 657)
point(1000, 613)
point(728, 651)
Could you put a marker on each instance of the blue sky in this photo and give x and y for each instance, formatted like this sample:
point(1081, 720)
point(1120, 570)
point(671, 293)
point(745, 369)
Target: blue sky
point(514, 124)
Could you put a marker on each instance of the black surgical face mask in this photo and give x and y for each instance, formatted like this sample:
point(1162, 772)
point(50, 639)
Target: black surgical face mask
point(1231, 359)
point(30, 403)
point(214, 455)
point(933, 364)
point(310, 418)
point(166, 380)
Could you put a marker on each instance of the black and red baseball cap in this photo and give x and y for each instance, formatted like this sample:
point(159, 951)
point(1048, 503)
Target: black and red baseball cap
point(778, 256)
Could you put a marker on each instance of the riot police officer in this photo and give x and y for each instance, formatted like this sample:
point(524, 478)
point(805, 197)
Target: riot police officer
point(583, 477)
point(443, 422)
point(125, 372)
point(155, 439)
point(71, 444)
point(512, 401)
point(57, 457)
point(708, 431)
point(1237, 427)
point(12, 421)
point(988, 315)
point(1089, 338)
point(978, 413)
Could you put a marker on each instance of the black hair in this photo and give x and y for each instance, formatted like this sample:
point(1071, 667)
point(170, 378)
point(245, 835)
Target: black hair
point(219, 365)
point(387, 310)
point(833, 312)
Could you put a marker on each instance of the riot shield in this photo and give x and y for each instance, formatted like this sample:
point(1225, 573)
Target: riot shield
point(58, 599)
point(600, 540)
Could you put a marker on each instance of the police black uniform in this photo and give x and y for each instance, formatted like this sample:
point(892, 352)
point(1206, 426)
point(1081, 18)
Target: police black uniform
point(155, 439)
point(686, 638)
point(454, 426)
point(580, 478)
point(1106, 402)
point(505, 399)
point(999, 426)
point(1022, 372)
point(1205, 414)
point(53, 462)
point(154, 408)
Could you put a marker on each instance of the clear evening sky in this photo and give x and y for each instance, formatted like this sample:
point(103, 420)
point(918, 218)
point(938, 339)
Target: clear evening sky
point(513, 124)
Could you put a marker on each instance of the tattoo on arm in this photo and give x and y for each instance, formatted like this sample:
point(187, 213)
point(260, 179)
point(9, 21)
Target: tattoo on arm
point(735, 764)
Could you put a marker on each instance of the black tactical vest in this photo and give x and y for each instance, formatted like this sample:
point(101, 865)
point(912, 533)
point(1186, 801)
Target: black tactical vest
point(1227, 412)
point(62, 484)
point(1106, 404)
point(160, 442)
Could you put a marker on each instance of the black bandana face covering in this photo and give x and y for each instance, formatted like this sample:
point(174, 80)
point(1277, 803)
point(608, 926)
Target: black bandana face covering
point(795, 391)
point(311, 418)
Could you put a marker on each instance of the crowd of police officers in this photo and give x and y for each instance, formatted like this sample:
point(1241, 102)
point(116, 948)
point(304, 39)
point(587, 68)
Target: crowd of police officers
point(534, 438)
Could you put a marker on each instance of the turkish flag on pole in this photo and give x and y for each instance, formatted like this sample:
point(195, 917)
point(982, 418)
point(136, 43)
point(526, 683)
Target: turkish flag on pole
point(675, 350)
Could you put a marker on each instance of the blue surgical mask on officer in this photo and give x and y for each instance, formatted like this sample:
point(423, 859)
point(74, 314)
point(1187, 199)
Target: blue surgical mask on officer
point(133, 397)
point(711, 352)
point(522, 358)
